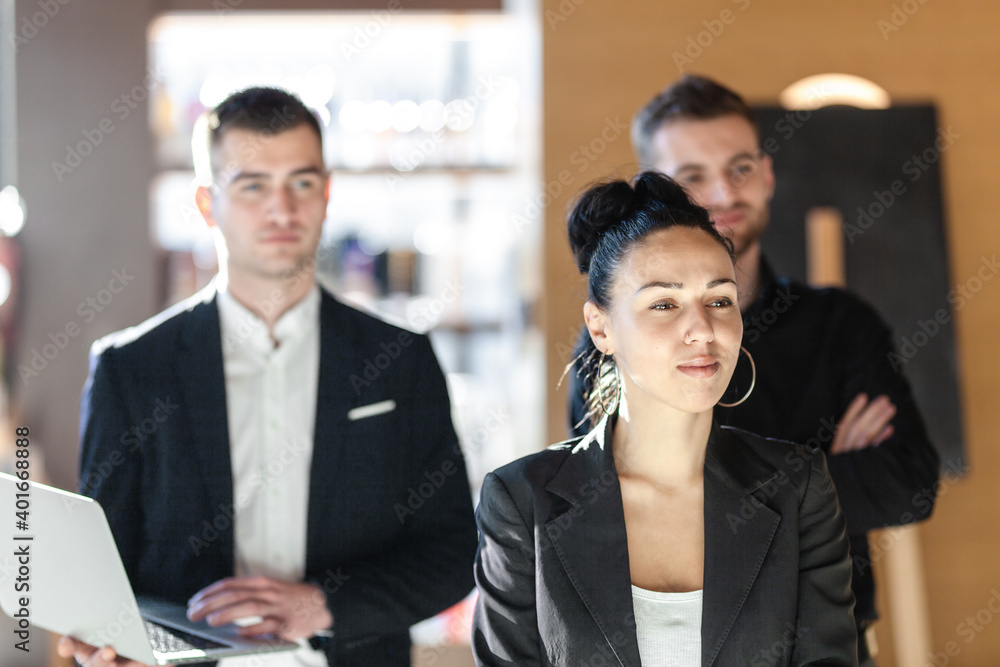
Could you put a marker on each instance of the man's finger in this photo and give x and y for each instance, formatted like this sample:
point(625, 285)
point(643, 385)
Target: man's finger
point(268, 626)
point(250, 607)
point(884, 435)
point(90, 657)
point(871, 422)
point(855, 408)
point(224, 598)
point(842, 437)
point(231, 584)
point(66, 647)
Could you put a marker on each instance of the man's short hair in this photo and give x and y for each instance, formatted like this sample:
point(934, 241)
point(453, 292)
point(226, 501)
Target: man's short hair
point(262, 110)
point(692, 97)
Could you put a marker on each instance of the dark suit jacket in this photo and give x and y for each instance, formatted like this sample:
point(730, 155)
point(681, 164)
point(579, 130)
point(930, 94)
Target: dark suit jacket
point(390, 530)
point(553, 568)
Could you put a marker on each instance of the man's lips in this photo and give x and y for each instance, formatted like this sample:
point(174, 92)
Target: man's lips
point(701, 367)
point(730, 219)
point(281, 238)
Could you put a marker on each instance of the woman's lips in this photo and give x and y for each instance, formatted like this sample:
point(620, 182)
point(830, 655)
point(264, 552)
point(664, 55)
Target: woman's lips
point(700, 368)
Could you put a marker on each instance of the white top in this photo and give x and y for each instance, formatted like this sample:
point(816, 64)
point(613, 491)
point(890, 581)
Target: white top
point(271, 412)
point(668, 626)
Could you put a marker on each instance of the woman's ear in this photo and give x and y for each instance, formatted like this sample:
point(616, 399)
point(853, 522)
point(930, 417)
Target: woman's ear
point(598, 325)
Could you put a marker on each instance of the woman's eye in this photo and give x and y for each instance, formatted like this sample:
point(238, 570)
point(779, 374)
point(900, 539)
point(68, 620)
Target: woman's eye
point(724, 302)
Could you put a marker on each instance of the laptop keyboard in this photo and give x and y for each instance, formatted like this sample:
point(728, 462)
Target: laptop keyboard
point(170, 640)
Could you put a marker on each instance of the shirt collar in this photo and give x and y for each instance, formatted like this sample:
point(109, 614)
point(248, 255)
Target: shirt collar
point(241, 328)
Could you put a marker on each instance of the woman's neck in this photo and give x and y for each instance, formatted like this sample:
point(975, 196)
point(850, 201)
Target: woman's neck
point(660, 444)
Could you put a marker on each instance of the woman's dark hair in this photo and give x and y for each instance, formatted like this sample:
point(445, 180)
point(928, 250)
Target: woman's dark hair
point(604, 224)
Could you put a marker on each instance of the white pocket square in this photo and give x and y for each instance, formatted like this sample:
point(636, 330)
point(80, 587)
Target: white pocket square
point(370, 410)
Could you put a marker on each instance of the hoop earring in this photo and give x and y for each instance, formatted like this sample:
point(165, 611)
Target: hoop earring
point(753, 380)
point(601, 384)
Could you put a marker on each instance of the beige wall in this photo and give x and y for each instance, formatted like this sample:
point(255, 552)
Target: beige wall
point(607, 58)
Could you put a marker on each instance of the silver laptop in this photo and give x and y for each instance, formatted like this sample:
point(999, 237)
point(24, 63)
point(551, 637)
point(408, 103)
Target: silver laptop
point(60, 570)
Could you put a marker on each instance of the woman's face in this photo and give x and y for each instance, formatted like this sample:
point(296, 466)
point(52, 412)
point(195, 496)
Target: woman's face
point(674, 324)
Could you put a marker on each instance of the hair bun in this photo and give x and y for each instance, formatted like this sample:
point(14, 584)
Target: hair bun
point(597, 210)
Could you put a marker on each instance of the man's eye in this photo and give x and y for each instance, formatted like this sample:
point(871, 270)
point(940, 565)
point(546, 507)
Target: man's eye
point(662, 306)
point(251, 187)
point(304, 184)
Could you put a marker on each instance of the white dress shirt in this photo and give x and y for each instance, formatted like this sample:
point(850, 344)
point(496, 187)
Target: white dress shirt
point(271, 389)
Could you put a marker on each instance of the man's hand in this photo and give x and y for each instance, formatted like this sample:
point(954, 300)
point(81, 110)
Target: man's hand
point(91, 656)
point(864, 424)
point(290, 610)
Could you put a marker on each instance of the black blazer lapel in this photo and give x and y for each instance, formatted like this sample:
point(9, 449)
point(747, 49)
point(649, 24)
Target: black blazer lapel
point(200, 367)
point(736, 539)
point(334, 396)
point(595, 519)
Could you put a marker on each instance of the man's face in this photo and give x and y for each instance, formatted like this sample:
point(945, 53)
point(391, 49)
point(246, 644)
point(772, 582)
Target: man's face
point(719, 163)
point(269, 201)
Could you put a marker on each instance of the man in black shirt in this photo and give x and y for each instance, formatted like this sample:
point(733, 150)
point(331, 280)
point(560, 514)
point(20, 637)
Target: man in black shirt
point(823, 377)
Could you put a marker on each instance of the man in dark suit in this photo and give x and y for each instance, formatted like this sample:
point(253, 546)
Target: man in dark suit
point(266, 453)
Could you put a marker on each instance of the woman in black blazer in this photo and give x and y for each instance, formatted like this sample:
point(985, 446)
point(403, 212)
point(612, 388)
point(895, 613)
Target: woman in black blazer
point(660, 538)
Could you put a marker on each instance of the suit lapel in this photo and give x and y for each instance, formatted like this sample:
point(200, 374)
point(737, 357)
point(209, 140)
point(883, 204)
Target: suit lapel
point(595, 518)
point(738, 534)
point(334, 396)
point(204, 385)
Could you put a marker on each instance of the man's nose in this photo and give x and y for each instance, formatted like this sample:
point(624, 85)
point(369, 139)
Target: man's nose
point(721, 193)
point(282, 206)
